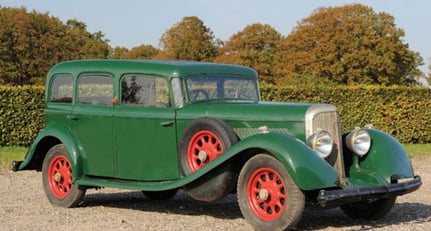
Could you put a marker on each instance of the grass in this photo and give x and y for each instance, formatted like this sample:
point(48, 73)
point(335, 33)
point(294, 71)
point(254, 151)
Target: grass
point(418, 150)
point(9, 154)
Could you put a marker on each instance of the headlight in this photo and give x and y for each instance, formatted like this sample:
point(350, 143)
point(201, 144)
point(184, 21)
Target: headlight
point(359, 141)
point(321, 142)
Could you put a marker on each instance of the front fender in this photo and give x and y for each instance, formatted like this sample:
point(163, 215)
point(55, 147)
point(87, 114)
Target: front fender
point(306, 168)
point(50, 135)
point(387, 160)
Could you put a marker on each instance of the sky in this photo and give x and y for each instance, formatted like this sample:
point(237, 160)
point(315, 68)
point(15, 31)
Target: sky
point(130, 23)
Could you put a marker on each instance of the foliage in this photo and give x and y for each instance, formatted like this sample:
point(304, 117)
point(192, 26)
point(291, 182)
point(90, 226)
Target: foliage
point(189, 39)
point(429, 75)
point(141, 52)
point(31, 43)
point(350, 44)
point(21, 114)
point(256, 46)
point(402, 112)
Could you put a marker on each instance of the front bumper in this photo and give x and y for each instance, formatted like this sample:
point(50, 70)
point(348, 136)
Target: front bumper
point(342, 196)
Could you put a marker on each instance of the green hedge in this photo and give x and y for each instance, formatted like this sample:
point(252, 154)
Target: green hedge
point(21, 114)
point(403, 112)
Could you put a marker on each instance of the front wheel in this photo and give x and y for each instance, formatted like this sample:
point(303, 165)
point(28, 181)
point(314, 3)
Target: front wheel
point(267, 196)
point(369, 210)
point(57, 179)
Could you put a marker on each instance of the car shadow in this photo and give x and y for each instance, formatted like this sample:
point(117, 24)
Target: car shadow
point(180, 204)
point(228, 209)
point(335, 218)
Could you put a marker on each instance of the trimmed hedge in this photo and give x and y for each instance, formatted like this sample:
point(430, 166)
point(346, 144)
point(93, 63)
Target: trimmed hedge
point(21, 114)
point(403, 112)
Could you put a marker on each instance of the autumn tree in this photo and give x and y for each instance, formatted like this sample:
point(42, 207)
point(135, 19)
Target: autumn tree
point(141, 52)
point(188, 39)
point(31, 42)
point(429, 74)
point(350, 44)
point(255, 46)
point(118, 52)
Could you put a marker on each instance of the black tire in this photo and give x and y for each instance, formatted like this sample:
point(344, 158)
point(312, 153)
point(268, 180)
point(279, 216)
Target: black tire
point(160, 195)
point(369, 210)
point(194, 154)
point(57, 179)
point(261, 179)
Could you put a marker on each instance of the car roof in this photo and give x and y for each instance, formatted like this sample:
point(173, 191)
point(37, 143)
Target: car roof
point(167, 68)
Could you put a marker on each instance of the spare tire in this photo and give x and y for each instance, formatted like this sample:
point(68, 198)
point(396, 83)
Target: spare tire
point(203, 141)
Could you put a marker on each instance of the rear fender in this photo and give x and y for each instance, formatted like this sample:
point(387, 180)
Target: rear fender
point(51, 135)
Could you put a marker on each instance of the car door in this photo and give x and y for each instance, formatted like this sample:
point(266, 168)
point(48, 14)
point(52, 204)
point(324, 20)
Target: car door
point(92, 124)
point(144, 124)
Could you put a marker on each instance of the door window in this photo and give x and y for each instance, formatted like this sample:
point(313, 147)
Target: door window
point(94, 89)
point(147, 91)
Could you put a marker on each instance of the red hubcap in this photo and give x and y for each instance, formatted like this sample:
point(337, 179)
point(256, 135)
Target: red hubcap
point(60, 176)
point(266, 193)
point(204, 147)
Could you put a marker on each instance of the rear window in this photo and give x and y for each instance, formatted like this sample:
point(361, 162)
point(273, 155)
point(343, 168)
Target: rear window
point(61, 89)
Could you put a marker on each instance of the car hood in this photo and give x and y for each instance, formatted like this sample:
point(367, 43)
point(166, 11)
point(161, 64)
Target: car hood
point(289, 117)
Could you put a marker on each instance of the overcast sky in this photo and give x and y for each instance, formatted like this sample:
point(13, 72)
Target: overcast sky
point(131, 23)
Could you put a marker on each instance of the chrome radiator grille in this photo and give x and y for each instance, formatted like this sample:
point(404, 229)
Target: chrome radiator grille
point(325, 117)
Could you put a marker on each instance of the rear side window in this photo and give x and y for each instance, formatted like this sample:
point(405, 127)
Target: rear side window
point(61, 89)
point(142, 90)
point(93, 89)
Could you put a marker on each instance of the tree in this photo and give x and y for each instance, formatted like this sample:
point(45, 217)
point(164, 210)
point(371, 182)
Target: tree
point(255, 46)
point(118, 52)
point(31, 43)
point(189, 39)
point(350, 44)
point(87, 45)
point(429, 75)
point(142, 52)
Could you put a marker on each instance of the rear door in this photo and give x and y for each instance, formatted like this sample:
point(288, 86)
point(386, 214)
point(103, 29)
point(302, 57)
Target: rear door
point(92, 123)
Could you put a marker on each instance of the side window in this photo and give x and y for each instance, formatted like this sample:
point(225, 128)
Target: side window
point(61, 89)
point(95, 90)
point(148, 91)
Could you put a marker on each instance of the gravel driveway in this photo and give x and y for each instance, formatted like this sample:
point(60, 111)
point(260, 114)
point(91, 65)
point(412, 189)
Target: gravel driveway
point(23, 206)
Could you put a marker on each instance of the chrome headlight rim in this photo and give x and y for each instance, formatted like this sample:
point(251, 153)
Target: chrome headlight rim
point(359, 141)
point(322, 143)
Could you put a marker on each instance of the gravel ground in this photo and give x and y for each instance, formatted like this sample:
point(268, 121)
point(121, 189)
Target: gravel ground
point(23, 206)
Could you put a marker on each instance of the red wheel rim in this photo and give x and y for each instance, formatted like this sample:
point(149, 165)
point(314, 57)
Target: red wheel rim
point(266, 193)
point(60, 176)
point(204, 147)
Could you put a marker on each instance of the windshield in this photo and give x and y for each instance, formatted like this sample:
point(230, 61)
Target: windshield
point(204, 88)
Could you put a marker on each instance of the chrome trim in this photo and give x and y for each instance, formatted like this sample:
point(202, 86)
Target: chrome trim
point(312, 112)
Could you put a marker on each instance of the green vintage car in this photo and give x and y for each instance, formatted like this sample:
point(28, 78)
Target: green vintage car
point(161, 126)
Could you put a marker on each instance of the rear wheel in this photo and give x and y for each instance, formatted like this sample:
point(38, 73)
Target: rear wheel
point(267, 196)
point(204, 140)
point(57, 179)
point(369, 210)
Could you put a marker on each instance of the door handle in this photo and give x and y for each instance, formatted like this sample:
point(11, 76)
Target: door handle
point(73, 117)
point(167, 123)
